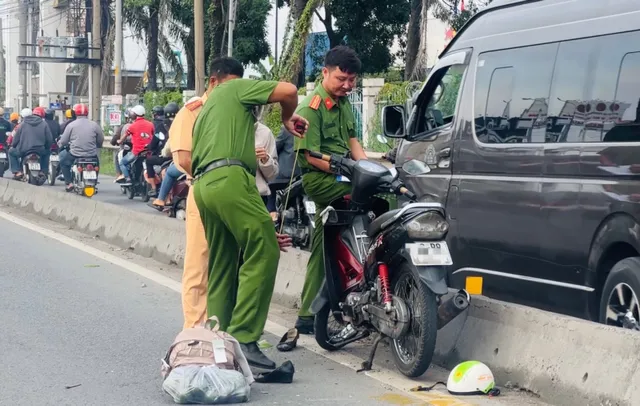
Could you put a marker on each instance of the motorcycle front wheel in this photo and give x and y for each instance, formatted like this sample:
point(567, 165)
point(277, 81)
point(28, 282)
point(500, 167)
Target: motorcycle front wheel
point(413, 352)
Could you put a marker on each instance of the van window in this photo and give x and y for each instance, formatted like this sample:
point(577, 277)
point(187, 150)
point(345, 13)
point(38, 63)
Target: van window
point(441, 107)
point(512, 93)
point(595, 94)
point(572, 78)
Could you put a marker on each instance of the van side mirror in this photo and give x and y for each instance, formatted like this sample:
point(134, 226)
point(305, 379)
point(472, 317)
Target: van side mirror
point(393, 121)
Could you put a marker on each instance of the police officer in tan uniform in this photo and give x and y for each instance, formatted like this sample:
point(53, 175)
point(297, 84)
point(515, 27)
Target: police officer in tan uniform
point(196, 258)
point(195, 274)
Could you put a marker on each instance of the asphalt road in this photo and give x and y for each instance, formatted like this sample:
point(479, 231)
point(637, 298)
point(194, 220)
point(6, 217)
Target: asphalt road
point(70, 319)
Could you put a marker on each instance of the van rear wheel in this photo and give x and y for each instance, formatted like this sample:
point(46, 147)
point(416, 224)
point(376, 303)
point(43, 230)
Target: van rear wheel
point(620, 301)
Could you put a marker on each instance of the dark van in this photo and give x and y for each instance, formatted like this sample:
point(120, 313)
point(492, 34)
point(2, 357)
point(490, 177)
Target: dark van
point(529, 130)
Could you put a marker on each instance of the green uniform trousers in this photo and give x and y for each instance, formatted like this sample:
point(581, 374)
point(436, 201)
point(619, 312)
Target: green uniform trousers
point(322, 188)
point(235, 220)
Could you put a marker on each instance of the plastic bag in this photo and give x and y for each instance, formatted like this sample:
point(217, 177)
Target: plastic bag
point(206, 385)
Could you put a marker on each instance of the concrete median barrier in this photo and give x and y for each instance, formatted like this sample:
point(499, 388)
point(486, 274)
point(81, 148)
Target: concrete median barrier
point(566, 361)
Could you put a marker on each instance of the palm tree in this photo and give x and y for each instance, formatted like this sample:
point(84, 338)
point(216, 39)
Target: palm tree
point(143, 17)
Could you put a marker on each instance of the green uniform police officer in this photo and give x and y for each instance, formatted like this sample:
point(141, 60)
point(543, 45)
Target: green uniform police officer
point(233, 214)
point(331, 131)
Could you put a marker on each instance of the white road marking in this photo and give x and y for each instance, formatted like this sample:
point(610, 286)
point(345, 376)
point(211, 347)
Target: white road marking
point(384, 376)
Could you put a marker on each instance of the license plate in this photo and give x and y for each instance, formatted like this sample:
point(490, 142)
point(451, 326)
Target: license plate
point(34, 166)
point(55, 158)
point(90, 175)
point(3, 155)
point(310, 207)
point(429, 253)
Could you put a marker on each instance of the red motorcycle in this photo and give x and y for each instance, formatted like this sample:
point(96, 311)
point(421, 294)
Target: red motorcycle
point(385, 271)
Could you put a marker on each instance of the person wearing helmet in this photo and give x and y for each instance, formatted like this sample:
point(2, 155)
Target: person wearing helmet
point(70, 116)
point(32, 136)
point(14, 120)
point(54, 126)
point(170, 111)
point(84, 138)
point(39, 111)
point(5, 129)
point(141, 132)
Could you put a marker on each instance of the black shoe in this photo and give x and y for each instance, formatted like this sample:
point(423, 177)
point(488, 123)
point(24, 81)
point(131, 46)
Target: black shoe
point(255, 357)
point(304, 324)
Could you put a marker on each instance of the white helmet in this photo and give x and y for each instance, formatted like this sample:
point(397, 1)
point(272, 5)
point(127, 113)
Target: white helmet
point(471, 378)
point(138, 110)
point(26, 112)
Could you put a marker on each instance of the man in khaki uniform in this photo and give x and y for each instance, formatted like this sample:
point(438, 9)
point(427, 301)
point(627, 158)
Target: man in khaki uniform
point(195, 274)
point(196, 258)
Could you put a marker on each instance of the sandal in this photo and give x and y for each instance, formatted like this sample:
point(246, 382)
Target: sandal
point(289, 340)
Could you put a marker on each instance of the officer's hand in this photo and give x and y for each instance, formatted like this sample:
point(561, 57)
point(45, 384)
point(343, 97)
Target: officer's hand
point(299, 122)
point(284, 241)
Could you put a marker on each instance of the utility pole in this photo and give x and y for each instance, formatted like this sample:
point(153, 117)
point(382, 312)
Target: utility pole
point(3, 76)
point(275, 58)
point(198, 13)
point(22, 51)
point(232, 26)
point(118, 50)
point(96, 69)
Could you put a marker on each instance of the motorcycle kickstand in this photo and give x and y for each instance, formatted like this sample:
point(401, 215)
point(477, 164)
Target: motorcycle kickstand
point(366, 365)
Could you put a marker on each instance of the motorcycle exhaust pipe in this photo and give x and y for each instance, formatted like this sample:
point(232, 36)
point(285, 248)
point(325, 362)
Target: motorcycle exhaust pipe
point(452, 307)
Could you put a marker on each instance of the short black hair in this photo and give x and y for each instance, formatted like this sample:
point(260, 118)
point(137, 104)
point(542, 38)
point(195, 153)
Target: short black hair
point(344, 58)
point(224, 66)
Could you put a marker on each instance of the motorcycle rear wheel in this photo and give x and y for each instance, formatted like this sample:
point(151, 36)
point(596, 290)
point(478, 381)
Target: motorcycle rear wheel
point(423, 330)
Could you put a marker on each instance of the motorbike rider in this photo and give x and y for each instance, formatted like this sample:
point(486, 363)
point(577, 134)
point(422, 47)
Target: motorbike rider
point(121, 132)
point(14, 119)
point(141, 132)
point(84, 138)
point(5, 128)
point(54, 126)
point(32, 136)
point(331, 131)
point(70, 117)
point(156, 145)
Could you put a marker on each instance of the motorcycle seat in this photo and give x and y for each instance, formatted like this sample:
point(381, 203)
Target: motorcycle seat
point(87, 160)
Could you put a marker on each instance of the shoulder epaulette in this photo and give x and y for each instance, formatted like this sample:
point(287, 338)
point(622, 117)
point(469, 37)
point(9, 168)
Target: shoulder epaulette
point(315, 102)
point(192, 106)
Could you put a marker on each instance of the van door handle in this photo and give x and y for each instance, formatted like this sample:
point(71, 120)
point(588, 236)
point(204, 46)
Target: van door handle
point(444, 153)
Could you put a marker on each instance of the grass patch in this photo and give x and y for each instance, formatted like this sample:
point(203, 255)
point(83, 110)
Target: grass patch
point(106, 162)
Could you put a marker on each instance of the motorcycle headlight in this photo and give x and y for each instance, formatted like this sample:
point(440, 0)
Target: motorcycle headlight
point(427, 226)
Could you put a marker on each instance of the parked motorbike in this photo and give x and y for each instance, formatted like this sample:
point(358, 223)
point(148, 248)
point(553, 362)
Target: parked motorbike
point(54, 165)
point(384, 270)
point(4, 160)
point(32, 171)
point(84, 174)
point(298, 215)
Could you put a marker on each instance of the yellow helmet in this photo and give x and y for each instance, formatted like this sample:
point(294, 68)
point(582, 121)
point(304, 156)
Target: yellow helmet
point(14, 116)
point(67, 113)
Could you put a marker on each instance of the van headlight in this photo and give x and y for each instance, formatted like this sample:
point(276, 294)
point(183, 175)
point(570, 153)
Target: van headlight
point(427, 226)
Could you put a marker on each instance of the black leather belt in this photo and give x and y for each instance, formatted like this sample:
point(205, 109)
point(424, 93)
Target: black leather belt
point(220, 163)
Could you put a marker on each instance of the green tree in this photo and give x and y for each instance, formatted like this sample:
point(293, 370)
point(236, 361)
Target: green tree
point(370, 27)
point(444, 10)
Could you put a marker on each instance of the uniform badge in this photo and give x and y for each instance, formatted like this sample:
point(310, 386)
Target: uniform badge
point(315, 102)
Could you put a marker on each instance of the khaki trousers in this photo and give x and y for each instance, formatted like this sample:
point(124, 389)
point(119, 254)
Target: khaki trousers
point(196, 267)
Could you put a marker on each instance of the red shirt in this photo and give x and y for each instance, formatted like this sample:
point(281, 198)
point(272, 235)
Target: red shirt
point(141, 131)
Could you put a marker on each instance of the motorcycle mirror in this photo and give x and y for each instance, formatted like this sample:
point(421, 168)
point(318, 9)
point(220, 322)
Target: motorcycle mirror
point(415, 167)
point(382, 139)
